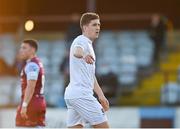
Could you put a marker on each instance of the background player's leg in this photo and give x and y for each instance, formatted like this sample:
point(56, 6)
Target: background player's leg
point(101, 125)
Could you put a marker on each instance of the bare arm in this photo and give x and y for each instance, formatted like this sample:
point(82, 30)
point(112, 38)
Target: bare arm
point(79, 53)
point(97, 89)
point(27, 97)
point(29, 90)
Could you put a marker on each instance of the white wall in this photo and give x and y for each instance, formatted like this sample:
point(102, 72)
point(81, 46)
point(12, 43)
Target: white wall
point(124, 117)
point(177, 119)
point(118, 117)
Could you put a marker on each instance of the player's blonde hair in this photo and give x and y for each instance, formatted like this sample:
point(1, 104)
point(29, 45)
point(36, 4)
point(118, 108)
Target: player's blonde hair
point(87, 17)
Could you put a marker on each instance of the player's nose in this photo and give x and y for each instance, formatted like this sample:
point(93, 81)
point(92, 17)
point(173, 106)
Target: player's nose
point(98, 29)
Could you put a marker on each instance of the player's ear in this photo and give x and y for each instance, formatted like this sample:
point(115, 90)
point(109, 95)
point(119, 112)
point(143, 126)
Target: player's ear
point(33, 50)
point(84, 27)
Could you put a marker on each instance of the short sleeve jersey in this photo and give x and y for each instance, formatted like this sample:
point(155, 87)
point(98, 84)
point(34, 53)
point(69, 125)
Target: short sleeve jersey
point(81, 74)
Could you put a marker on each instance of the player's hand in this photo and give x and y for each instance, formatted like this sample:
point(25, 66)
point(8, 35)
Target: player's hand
point(24, 112)
point(104, 102)
point(89, 59)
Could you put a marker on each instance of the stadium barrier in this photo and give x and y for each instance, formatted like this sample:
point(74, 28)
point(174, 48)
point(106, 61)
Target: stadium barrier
point(123, 117)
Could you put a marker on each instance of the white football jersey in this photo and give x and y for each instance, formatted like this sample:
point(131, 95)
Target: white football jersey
point(81, 74)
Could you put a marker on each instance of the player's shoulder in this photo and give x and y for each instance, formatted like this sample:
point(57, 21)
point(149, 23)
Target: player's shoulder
point(31, 66)
point(80, 38)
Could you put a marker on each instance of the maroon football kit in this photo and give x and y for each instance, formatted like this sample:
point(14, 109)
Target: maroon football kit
point(36, 109)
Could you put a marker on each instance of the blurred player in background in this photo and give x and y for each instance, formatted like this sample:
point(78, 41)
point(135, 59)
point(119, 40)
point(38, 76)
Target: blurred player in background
point(32, 109)
point(82, 105)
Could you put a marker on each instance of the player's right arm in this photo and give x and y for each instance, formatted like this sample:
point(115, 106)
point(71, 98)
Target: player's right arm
point(28, 95)
point(79, 53)
point(32, 71)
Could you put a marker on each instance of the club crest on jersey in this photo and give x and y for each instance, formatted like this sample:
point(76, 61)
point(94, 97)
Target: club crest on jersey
point(33, 68)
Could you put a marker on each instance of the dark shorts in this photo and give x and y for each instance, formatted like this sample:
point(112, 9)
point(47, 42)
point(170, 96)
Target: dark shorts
point(35, 111)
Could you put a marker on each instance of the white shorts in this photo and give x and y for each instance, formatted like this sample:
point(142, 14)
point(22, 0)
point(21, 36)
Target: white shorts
point(81, 111)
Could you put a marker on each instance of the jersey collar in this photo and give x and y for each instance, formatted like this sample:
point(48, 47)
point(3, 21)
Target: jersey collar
point(29, 60)
point(89, 41)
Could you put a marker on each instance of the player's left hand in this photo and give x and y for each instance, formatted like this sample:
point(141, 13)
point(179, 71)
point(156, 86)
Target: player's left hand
point(24, 112)
point(89, 59)
point(104, 102)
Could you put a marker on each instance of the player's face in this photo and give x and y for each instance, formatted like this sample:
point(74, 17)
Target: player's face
point(25, 51)
point(92, 29)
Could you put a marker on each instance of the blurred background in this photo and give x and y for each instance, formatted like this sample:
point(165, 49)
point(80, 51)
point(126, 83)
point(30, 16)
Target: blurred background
point(138, 57)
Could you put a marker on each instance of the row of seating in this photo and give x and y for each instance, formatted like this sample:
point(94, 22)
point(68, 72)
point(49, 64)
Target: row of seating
point(123, 53)
point(51, 53)
point(7, 48)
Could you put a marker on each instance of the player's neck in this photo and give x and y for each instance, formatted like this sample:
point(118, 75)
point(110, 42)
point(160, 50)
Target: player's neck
point(31, 56)
point(88, 37)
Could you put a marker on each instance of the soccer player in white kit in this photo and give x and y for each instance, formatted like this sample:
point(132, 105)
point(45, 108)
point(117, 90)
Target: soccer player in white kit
point(82, 106)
